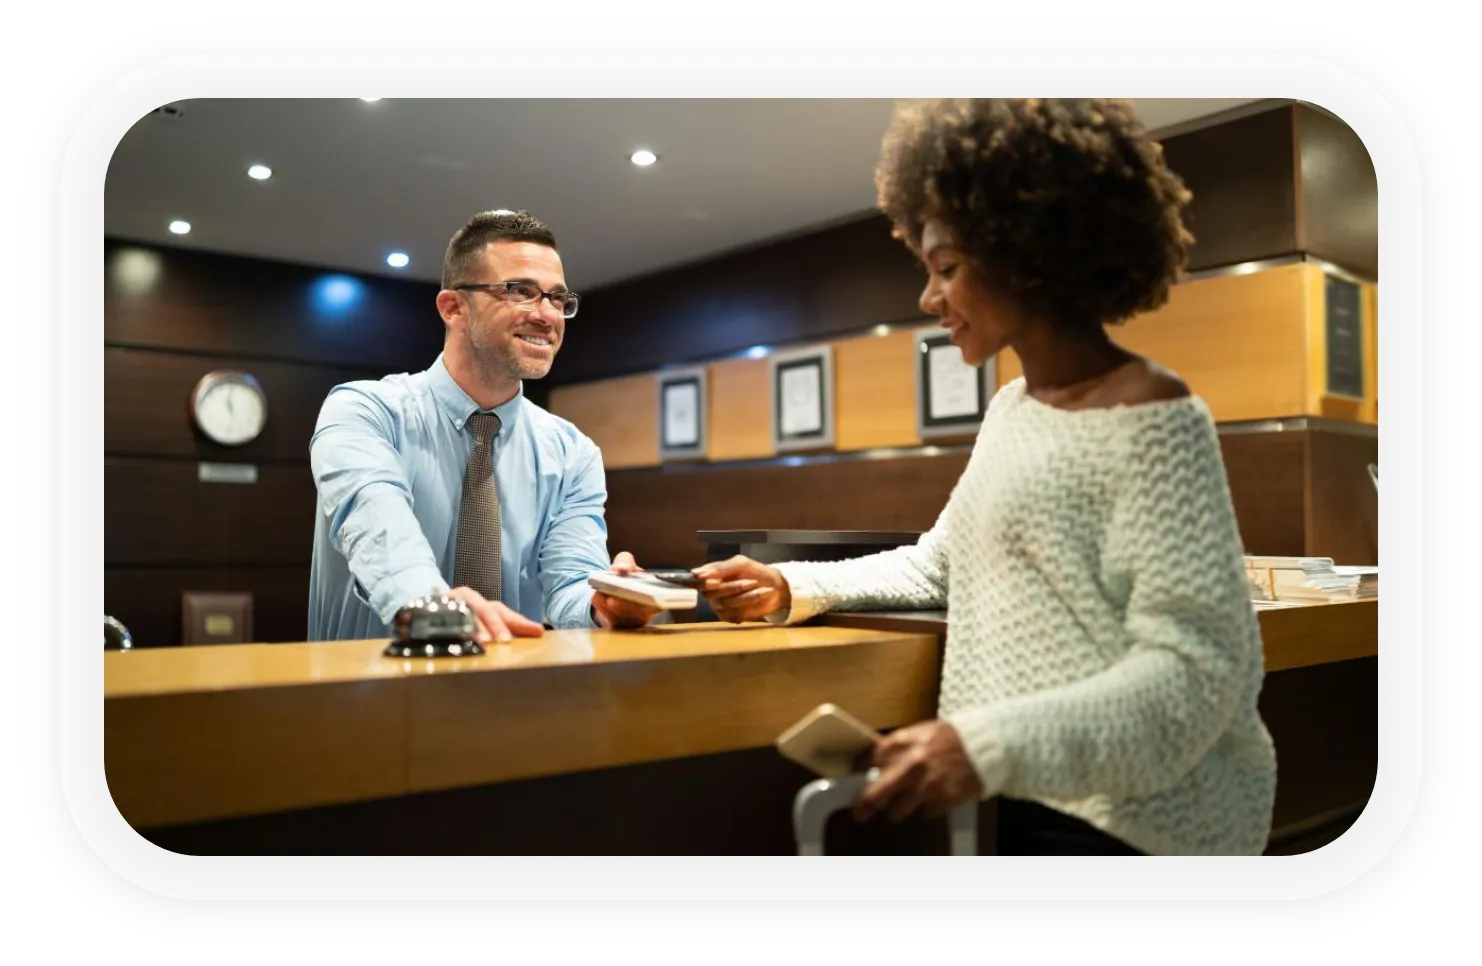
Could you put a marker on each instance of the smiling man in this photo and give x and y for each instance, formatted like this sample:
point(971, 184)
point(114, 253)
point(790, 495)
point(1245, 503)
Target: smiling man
point(450, 479)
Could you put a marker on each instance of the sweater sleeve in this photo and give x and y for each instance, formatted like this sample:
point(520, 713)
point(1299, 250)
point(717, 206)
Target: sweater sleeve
point(909, 578)
point(912, 578)
point(1194, 648)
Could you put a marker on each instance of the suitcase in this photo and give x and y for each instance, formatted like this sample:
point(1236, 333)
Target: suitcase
point(819, 799)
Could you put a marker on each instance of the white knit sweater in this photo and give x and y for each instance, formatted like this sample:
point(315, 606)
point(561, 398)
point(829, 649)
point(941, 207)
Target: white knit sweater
point(1102, 655)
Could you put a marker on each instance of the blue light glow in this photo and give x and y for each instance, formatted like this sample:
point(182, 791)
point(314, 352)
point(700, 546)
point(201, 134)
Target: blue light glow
point(337, 295)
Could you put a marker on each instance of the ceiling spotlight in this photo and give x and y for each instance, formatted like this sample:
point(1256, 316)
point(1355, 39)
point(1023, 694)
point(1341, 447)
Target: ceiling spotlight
point(259, 172)
point(398, 260)
point(643, 158)
point(370, 100)
point(180, 227)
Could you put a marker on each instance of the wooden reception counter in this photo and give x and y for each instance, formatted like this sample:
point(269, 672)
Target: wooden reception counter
point(1301, 635)
point(657, 740)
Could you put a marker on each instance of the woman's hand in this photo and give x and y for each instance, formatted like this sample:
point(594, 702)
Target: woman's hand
point(740, 589)
point(923, 768)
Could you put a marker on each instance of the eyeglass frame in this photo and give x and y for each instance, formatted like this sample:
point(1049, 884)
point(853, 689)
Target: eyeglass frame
point(503, 289)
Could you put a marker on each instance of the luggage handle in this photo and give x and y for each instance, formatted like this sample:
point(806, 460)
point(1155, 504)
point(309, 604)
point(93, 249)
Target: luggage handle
point(819, 799)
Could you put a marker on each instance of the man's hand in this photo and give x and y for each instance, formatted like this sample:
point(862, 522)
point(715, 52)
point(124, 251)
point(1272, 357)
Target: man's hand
point(740, 589)
point(614, 612)
point(496, 621)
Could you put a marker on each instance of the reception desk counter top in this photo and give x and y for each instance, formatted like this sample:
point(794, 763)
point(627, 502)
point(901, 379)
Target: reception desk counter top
point(200, 733)
point(1295, 636)
point(250, 732)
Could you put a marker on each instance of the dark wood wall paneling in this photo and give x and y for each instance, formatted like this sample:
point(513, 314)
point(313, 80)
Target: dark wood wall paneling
point(655, 513)
point(817, 285)
point(1267, 473)
point(178, 298)
point(170, 316)
point(1342, 503)
point(1340, 193)
point(1242, 174)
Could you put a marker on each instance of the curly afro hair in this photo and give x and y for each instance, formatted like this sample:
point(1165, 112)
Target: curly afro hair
point(1069, 201)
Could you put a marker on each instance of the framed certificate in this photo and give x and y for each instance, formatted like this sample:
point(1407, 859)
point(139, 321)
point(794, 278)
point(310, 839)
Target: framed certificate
point(803, 399)
point(682, 414)
point(951, 396)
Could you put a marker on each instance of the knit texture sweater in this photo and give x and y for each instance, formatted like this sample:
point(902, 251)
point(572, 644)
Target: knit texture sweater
point(1102, 656)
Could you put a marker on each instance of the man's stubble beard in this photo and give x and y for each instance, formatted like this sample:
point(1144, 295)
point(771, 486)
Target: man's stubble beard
point(496, 360)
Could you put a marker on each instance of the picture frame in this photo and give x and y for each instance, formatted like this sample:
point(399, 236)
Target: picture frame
point(683, 413)
point(803, 399)
point(1343, 342)
point(951, 396)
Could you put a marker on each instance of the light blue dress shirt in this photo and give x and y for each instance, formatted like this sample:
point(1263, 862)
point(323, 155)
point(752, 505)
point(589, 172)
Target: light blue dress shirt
point(388, 459)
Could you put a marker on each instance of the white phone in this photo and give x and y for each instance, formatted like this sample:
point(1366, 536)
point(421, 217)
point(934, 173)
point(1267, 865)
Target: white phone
point(827, 740)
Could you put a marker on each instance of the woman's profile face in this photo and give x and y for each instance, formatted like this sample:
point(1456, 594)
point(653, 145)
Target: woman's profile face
point(980, 317)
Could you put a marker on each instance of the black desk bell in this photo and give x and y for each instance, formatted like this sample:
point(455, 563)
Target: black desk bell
point(434, 626)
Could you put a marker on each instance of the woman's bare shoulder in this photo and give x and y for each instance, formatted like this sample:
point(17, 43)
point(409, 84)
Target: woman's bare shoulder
point(1143, 381)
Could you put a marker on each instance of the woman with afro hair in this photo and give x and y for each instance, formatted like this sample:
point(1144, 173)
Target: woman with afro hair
point(1103, 659)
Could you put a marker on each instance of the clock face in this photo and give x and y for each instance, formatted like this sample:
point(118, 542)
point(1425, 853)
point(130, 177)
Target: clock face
point(230, 408)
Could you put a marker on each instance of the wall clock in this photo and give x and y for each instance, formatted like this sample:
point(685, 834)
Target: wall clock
point(229, 407)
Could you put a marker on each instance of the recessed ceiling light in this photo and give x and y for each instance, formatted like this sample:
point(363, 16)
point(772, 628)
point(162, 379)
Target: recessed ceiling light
point(370, 100)
point(643, 158)
point(398, 260)
point(179, 227)
point(259, 172)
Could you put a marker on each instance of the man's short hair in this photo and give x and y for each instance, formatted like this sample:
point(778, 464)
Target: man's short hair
point(461, 259)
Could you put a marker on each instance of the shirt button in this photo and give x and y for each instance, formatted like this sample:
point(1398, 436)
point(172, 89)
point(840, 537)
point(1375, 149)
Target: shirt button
point(458, 423)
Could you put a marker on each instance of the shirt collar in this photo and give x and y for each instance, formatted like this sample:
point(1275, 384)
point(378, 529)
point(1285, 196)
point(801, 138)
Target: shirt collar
point(458, 405)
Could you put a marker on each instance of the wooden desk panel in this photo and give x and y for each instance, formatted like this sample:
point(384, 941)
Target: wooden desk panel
point(226, 754)
point(1319, 633)
point(192, 756)
point(199, 733)
point(478, 728)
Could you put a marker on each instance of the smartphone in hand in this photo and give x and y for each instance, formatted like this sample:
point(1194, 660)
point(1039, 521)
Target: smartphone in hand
point(681, 578)
point(828, 740)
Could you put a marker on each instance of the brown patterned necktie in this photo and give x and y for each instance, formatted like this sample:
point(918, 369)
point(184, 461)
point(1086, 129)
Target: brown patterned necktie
point(477, 564)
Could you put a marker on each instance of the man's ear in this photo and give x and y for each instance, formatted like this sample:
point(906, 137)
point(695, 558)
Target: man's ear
point(449, 306)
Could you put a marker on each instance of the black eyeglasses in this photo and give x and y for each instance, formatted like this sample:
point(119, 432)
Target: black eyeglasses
point(522, 292)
